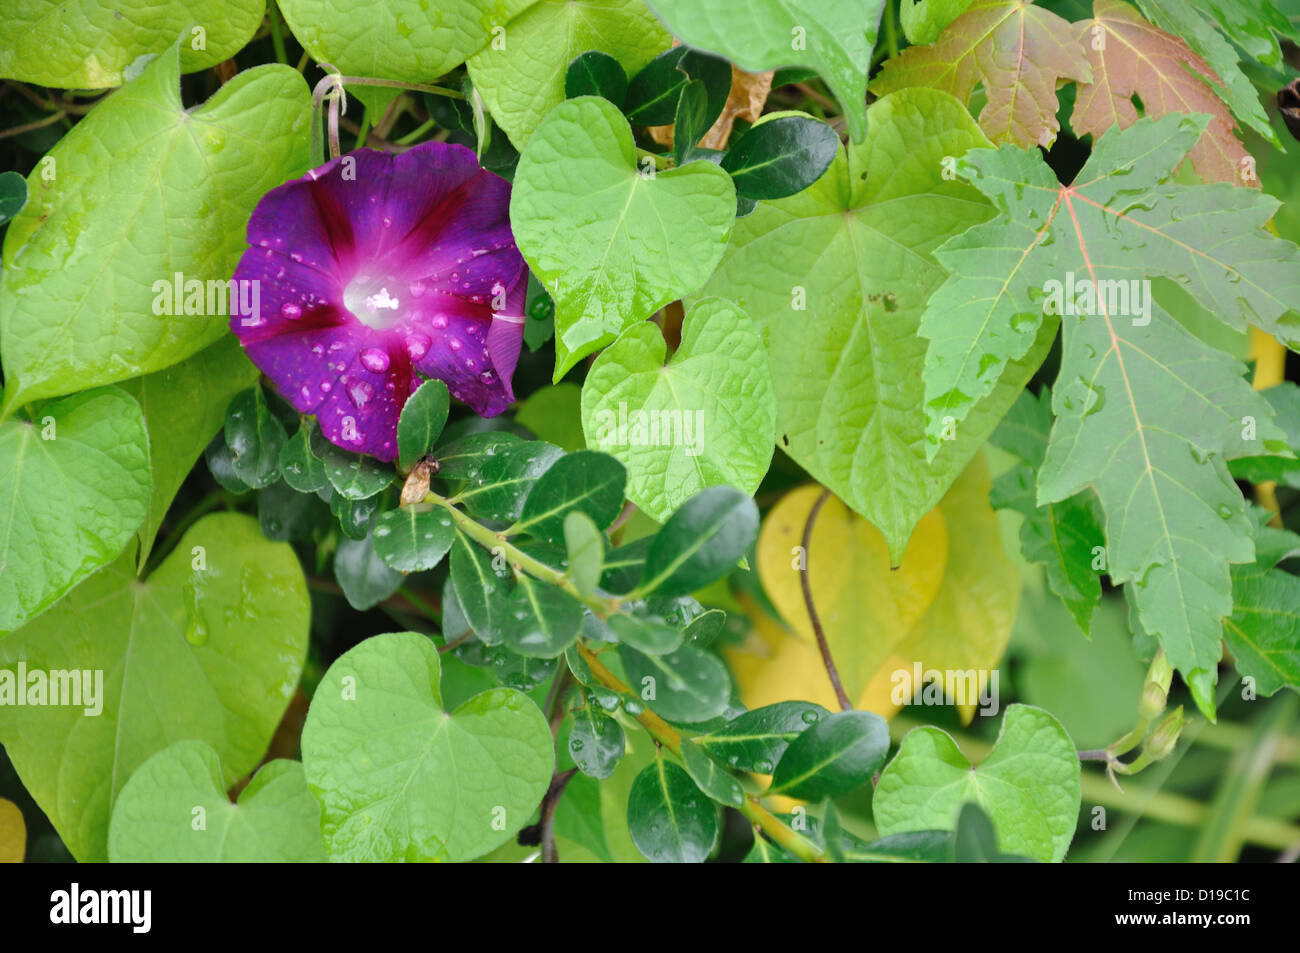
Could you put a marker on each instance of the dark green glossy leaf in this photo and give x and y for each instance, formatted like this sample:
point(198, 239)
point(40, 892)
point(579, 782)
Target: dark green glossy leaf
point(463, 459)
point(285, 514)
point(650, 635)
point(255, 438)
point(757, 739)
point(413, 538)
point(13, 195)
point(585, 547)
point(540, 621)
point(423, 417)
point(354, 476)
point(596, 74)
point(506, 478)
point(701, 542)
point(931, 847)
point(482, 582)
point(710, 777)
point(974, 840)
point(692, 120)
point(355, 517)
point(837, 755)
point(301, 468)
point(652, 94)
point(781, 157)
point(624, 566)
point(584, 482)
point(704, 630)
point(669, 819)
point(509, 668)
point(365, 579)
point(596, 742)
point(221, 465)
point(539, 315)
point(687, 685)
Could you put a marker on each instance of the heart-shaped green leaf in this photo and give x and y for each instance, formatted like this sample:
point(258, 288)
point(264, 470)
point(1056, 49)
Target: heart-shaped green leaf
point(107, 261)
point(94, 44)
point(521, 75)
point(174, 809)
point(707, 418)
point(832, 266)
point(1028, 785)
point(210, 647)
point(184, 405)
point(401, 39)
point(399, 778)
point(610, 240)
point(74, 486)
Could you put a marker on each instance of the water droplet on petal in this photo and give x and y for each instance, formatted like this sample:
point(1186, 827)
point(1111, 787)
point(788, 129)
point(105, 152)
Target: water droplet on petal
point(454, 343)
point(375, 359)
point(417, 345)
point(360, 393)
point(439, 321)
point(291, 311)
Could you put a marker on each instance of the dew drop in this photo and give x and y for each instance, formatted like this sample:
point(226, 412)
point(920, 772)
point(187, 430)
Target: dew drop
point(454, 343)
point(375, 359)
point(360, 393)
point(417, 345)
point(439, 321)
point(291, 311)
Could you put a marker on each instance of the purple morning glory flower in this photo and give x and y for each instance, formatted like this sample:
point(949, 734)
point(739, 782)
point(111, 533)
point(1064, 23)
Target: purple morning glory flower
point(374, 267)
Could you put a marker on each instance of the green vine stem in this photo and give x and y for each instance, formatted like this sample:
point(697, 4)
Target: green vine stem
point(671, 739)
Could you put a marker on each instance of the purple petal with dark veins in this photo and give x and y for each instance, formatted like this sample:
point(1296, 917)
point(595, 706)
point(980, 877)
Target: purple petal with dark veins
point(374, 266)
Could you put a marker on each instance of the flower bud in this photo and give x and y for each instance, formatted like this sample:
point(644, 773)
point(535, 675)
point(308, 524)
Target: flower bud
point(1163, 739)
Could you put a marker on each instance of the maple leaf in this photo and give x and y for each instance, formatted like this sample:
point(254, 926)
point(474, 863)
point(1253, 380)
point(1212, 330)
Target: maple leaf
point(1147, 413)
point(1018, 51)
point(1131, 57)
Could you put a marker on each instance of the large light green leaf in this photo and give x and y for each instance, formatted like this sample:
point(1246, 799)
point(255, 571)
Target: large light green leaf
point(520, 74)
point(1028, 785)
point(1147, 413)
point(611, 242)
point(174, 809)
point(140, 190)
point(74, 486)
point(211, 654)
point(399, 778)
point(91, 44)
point(402, 39)
point(834, 37)
point(706, 418)
point(184, 406)
point(838, 276)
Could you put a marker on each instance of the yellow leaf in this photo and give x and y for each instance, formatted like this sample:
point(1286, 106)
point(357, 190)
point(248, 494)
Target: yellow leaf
point(13, 833)
point(949, 606)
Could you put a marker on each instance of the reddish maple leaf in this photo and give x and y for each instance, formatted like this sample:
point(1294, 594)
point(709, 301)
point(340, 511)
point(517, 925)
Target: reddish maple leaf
point(1131, 57)
point(1020, 53)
